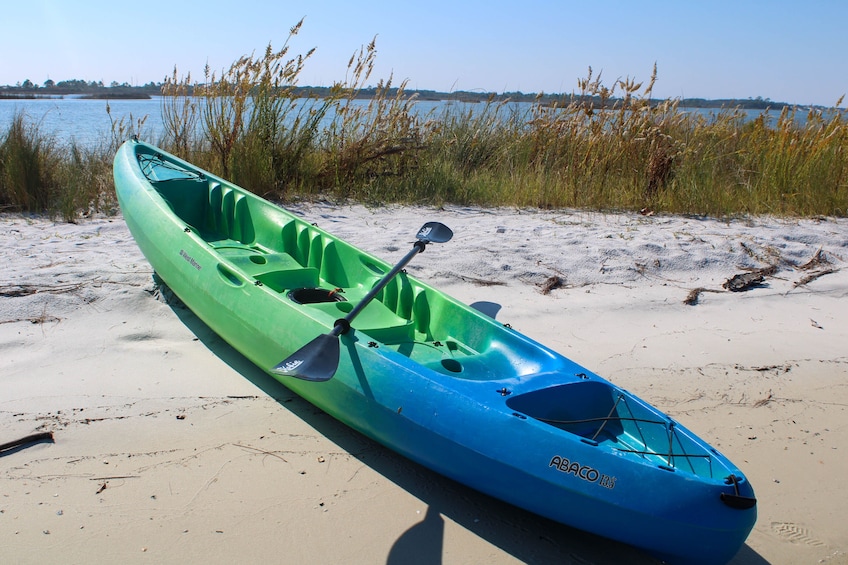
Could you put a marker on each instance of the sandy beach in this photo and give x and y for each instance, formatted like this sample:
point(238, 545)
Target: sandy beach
point(169, 447)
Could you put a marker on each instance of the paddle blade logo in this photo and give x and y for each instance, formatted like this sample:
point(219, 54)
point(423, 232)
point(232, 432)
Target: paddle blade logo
point(289, 367)
point(434, 232)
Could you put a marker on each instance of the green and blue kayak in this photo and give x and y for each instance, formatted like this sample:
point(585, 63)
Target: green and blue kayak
point(426, 375)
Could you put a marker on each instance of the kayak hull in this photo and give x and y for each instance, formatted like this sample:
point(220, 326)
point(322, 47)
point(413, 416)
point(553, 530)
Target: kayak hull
point(429, 377)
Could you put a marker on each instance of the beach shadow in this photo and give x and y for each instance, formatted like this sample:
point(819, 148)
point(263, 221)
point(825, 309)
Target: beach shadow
point(748, 556)
point(490, 309)
point(422, 543)
point(528, 537)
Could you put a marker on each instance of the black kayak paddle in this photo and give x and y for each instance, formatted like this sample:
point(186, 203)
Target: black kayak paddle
point(318, 360)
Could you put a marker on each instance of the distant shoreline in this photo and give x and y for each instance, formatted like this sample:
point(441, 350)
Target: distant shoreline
point(116, 96)
point(126, 92)
point(78, 95)
point(29, 96)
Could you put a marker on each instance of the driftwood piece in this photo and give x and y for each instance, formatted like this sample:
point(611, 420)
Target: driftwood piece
point(744, 281)
point(749, 280)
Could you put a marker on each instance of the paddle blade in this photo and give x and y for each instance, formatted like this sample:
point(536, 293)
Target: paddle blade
point(434, 232)
point(316, 361)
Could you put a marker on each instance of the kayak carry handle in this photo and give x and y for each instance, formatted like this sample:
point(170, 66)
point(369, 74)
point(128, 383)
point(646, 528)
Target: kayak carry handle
point(736, 500)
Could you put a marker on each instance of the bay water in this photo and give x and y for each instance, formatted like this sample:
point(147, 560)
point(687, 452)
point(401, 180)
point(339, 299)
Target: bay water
point(87, 123)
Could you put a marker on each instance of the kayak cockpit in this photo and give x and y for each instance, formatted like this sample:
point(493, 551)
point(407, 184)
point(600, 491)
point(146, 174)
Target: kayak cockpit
point(326, 278)
point(601, 414)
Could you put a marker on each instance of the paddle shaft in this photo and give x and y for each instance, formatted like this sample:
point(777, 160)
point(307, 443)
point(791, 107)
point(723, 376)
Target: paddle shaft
point(343, 325)
point(318, 360)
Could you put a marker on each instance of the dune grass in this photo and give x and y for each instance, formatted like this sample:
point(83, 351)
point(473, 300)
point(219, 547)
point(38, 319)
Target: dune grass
point(28, 166)
point(602, 148)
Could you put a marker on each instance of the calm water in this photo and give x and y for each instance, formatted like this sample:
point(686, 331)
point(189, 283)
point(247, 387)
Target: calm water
point(83, 121)
point(87, 123)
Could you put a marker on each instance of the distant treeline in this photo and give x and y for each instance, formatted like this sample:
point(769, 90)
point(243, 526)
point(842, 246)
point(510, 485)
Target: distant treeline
point(96, 89)
point(91, 89)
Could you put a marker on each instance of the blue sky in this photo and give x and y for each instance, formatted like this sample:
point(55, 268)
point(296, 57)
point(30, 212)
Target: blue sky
point(782, 50)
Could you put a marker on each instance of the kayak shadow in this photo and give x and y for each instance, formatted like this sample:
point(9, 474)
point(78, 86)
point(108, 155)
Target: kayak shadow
point(529, 538)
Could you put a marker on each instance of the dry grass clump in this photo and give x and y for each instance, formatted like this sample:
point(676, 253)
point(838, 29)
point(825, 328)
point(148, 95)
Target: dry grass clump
point(39, 175)
point(249, 125)
point(28, 162)
point(367, 141)
point(800, 169)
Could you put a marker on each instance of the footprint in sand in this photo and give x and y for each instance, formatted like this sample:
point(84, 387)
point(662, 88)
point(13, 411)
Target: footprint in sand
point(795, 534)
point(139, 337)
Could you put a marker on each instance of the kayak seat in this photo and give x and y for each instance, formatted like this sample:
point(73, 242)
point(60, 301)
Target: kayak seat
point(187, 198)
point(279, 271)
point(381, 324)
point(283, 281)
point(398, 296)
point(253, 261)
point(219, 212)
point(313, 248)
point(376, 322)
point(228, 214)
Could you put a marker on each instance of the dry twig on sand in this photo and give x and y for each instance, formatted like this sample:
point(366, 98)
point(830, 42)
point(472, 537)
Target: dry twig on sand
point(480, 282)
point(694, 294)
point(813, 276)
point(551, 283)
point(17, 290)
point(819, 259)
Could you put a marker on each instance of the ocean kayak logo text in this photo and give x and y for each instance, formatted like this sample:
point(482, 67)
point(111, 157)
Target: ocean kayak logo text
point(190, 260)
point(581, 471)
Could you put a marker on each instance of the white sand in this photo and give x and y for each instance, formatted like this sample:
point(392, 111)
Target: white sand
point(170, 447)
